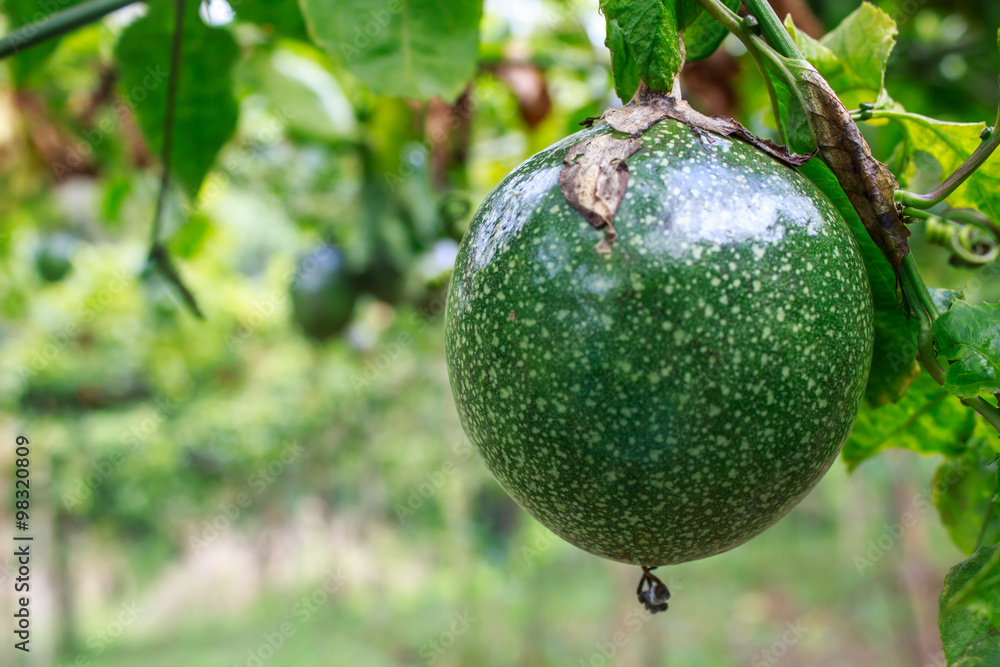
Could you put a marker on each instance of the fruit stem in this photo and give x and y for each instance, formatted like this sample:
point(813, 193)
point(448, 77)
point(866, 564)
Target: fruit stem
point(729, 19)
point(773, 30)
point(58, 24)
point(734, 24)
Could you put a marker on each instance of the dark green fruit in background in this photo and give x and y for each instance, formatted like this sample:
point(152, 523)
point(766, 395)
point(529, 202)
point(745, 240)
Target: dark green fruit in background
point(672, 399)
point(383, 278)
point(322, 294)
point(54, 257)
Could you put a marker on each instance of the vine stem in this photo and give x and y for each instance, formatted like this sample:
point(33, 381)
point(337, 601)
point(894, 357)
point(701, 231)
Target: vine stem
point(773, 29)
point(159, 256)
point(989, 145)
point(166, 150)
point(58, 24)
point(734, 24)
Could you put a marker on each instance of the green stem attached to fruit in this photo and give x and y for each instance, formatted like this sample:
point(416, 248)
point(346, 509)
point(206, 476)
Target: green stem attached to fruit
point(774, 32)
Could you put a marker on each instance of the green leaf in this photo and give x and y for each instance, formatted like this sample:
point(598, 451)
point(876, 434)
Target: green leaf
point(927, 420)
point(963, 493)
point(283, 17)
point(951, 144)
point(704, 35)
point(651, 32)
point(862, 44)
point(969, 336)
point(206, 111)
point(969, 611)
point(403, 48)
point(623, 66)
point(852, 57)
point(688, 11)
point(943, 298)
point(21, 13)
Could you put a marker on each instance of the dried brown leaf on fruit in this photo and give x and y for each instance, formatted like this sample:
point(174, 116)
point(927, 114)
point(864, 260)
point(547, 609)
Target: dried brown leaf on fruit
point(595, 178)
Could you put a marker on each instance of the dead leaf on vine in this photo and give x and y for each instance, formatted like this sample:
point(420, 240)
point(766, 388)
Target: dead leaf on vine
point(594, 181)
point(866, 181)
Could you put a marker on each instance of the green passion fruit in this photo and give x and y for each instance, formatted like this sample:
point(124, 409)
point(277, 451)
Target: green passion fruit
point(673, 398)
point(322, 294)
point(54, 257)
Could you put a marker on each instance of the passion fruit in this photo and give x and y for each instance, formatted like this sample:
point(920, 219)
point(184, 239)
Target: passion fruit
point(674, 397)
point(322, 294)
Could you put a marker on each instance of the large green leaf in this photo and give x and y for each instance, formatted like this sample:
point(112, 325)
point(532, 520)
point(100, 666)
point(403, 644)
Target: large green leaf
point(304, 92)
point(852, 57)
point(704, 35)
point(650, 29)
point(21, 13)
point(927, 420)
point(404, 48)
point(964, 488)
point(969, 336)
point(206, 111)
point(969, 611)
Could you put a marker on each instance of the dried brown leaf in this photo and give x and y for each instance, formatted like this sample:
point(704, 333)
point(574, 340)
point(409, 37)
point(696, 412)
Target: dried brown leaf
point(866, 181)
point(595, 178)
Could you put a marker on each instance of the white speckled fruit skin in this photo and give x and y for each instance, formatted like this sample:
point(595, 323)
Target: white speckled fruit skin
point(672, 400)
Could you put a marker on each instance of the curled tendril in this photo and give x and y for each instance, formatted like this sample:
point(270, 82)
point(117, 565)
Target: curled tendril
point(972, 237)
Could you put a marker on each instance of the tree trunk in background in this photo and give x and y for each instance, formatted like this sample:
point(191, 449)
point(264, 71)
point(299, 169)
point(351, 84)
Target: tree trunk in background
point(63, 581)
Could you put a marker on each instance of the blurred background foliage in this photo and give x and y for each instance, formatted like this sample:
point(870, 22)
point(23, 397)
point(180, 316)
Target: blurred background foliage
point(263, 489)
